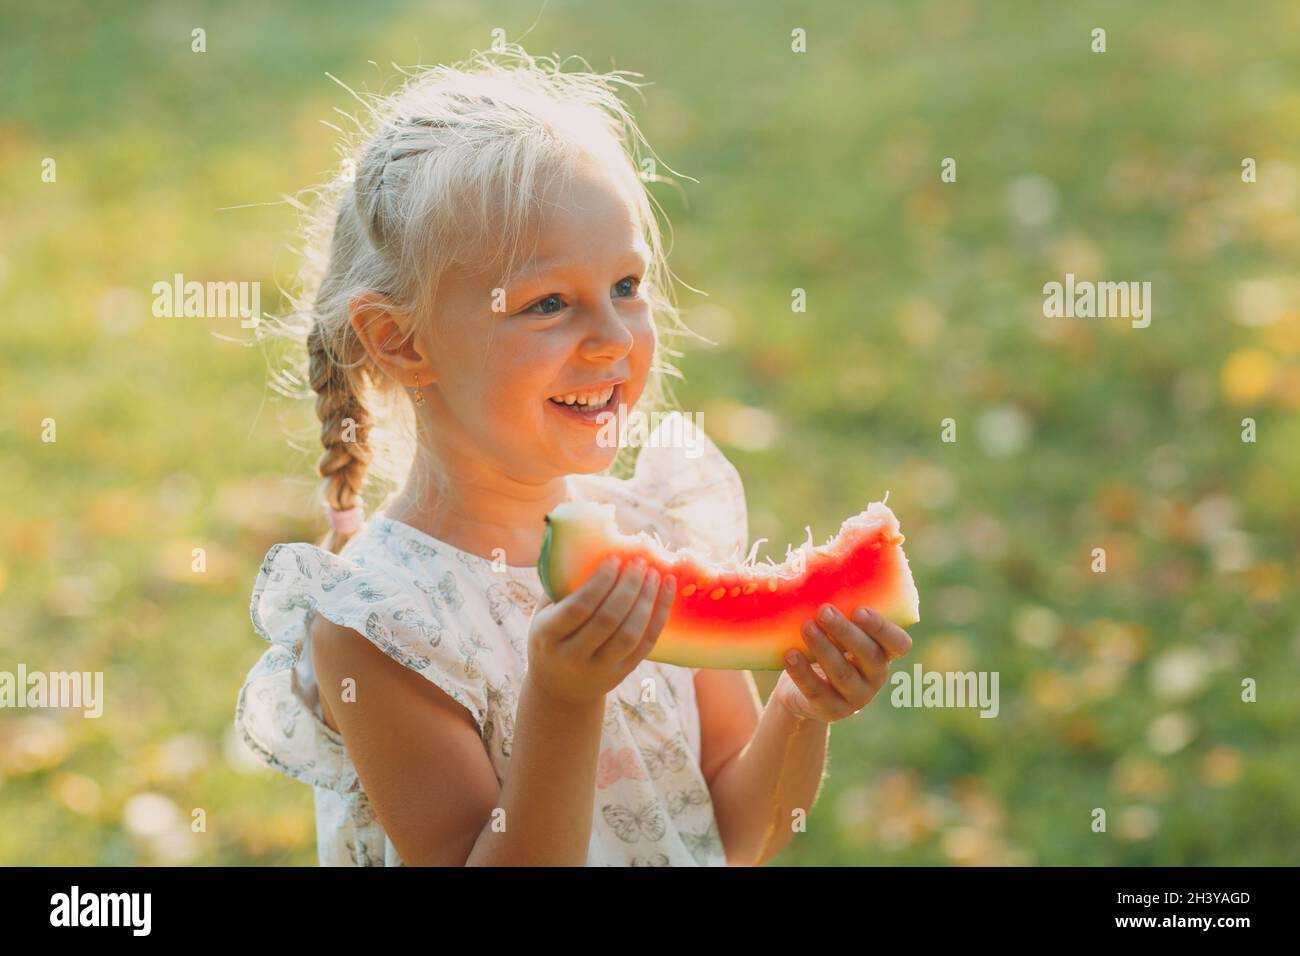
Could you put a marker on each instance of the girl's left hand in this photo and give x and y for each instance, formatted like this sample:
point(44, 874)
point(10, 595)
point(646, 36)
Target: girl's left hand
point(853, 657)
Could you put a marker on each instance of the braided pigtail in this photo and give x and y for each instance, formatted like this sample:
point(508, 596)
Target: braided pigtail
point(345, 433)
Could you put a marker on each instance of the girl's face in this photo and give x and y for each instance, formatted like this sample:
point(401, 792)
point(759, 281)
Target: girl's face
point(571, 337)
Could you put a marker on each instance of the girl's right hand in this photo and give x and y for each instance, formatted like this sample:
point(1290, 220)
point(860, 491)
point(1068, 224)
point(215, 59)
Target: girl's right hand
point(582, 647)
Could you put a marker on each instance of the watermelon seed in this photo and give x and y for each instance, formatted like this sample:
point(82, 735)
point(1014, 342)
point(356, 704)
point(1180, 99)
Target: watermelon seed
point(717, 593)
point(688, 590)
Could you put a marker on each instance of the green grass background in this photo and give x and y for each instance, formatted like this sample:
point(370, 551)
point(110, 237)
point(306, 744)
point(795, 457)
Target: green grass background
point(820, 171)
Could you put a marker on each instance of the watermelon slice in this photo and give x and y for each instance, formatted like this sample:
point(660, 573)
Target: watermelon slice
point(740, 614)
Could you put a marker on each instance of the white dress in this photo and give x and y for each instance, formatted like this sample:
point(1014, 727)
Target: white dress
point(453, 618)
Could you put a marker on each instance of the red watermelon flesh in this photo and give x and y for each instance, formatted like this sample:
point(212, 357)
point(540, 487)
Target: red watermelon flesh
point(741, 614)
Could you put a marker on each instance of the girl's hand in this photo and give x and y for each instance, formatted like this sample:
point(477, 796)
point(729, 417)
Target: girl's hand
point(853, 657)
point(582, 647)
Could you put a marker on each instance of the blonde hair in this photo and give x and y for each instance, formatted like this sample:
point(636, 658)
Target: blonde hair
point(448, 171)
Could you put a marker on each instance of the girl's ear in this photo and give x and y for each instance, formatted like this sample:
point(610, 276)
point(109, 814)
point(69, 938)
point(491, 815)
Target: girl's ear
point(386, 330)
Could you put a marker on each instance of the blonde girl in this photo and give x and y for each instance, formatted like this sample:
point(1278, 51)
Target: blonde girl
point(485, 278)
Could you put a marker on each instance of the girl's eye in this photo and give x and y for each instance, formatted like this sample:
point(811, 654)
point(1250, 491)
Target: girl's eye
point(540, 306)
point(554, 303)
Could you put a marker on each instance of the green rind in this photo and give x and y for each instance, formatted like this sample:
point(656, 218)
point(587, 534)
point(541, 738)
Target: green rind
point(544, 562)
point(562, 539)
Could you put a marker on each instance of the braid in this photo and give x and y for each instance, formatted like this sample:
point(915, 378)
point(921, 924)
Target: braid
point(380, 170)
point(343, 465)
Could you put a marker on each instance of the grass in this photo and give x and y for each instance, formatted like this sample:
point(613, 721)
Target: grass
point(818, 171)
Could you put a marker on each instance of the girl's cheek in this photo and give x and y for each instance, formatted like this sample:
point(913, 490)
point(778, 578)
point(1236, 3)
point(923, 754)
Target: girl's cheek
point(643, 352)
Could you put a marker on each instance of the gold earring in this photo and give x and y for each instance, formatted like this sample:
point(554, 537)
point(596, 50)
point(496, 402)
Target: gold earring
point(419, 395)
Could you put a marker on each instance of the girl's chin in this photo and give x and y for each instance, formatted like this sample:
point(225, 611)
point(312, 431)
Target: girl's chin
point(587, 442)
point(589, 458)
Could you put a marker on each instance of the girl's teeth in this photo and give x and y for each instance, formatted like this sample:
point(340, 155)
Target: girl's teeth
point(593, 399)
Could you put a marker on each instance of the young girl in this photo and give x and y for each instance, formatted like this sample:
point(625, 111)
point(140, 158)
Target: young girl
point(491, 272)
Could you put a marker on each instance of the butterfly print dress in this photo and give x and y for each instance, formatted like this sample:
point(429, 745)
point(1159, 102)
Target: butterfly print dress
point(461, 621)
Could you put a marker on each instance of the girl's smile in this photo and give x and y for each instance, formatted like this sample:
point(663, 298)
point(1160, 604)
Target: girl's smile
point(587, 405)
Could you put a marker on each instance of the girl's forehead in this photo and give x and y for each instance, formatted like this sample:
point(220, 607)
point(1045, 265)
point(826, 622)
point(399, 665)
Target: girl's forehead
point(583, 220)
point(600, 227)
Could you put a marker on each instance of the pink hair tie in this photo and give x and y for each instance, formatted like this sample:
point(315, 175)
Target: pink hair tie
point(348, 520)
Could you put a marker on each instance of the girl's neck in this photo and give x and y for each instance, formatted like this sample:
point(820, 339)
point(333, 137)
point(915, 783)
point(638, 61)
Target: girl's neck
point(483, 515)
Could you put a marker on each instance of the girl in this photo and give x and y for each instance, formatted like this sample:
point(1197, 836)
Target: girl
point(492, 253)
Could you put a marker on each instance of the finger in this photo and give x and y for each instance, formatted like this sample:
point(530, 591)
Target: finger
point(893, 639)
point(652, 630)
point(572, 611)
point(821, 695)
point(612, 610)
point(632, 627)
point(868, 656)
point(844, 677)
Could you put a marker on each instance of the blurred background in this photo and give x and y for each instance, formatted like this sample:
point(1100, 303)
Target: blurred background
point(819, 171)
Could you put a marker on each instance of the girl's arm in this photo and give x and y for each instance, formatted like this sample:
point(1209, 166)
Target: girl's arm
point(762, 769)
point(422, 763)
point(761, 764)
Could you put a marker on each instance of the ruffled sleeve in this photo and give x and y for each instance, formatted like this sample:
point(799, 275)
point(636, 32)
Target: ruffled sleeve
point(684, 489)
point(277, 710)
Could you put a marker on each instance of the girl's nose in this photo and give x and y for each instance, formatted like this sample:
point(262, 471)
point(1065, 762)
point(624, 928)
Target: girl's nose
point(609, 336)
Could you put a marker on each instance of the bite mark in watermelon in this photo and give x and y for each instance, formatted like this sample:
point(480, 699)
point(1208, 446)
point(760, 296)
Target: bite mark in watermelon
point(739, 614)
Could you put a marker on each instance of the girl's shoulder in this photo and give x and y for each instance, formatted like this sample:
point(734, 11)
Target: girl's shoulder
point(425, 605)
point(386, 562)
